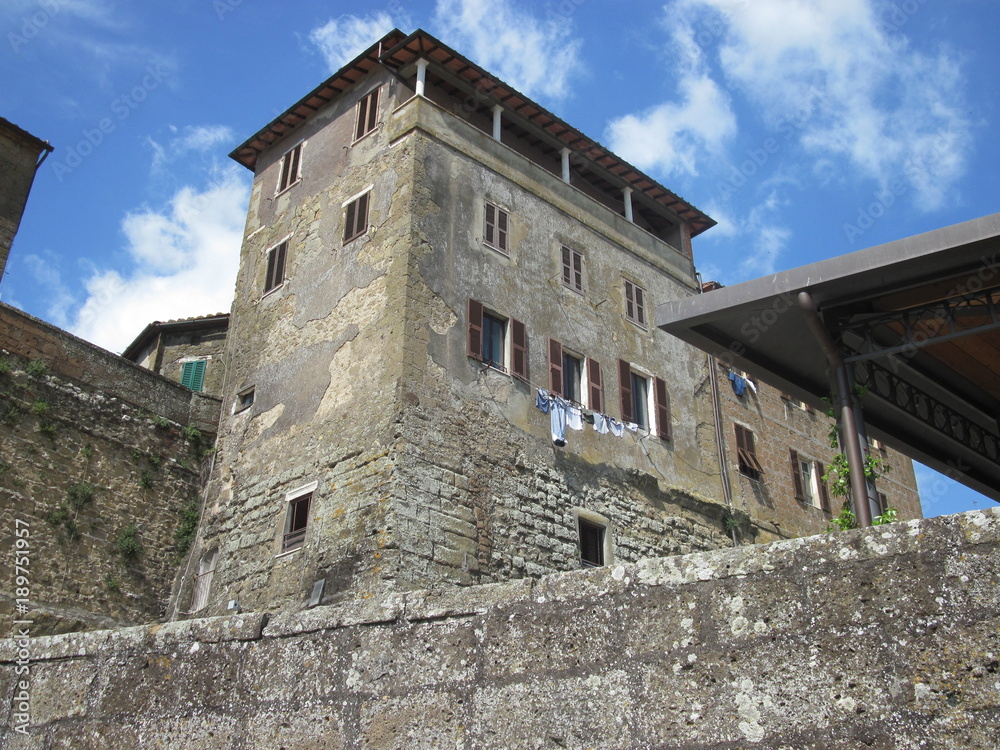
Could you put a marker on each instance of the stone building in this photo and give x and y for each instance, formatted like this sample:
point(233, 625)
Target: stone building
point(428, 255)
point(187, 351)
point(20, 155)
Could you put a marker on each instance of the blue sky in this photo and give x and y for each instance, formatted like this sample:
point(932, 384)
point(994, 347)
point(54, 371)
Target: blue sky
point(806, 128)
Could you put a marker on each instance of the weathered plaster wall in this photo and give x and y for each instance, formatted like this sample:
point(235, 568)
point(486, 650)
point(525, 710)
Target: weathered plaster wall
point(62, 426)
point(323, 353)
point(887, 638)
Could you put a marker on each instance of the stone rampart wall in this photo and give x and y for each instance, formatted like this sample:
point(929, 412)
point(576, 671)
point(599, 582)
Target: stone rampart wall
point(883, 638)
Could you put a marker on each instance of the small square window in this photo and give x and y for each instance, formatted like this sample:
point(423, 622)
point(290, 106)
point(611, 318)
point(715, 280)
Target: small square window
point(193, 374)
point(275, 274)
point(635, 303)
point(640, 401)
point(289, 171)
point(245, 399)
point(572, 269)
point(356, 218)
point(296, 521)
point(495, 227)
point(486, 340)
point(591, 543)
point(367, 115)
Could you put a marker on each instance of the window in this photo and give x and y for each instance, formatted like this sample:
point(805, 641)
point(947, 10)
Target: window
point(796, 403)
point(746, 455)
point(635, 303)
point(591, 543)
point(367, 115)
point(289, 172)
point(193, 374)
point(575, 377)
point(275, 274)
point(486, 340)
point(203, 580)
point(244, 399)
point(572, 269)
point(807, 481)
point(495, 223)
point(296, 519)
point(356, 219)
point(636, 390)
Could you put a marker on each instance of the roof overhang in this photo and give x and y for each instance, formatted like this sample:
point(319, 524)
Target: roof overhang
point(398, 52)
point(151, 331)
point(918, 322)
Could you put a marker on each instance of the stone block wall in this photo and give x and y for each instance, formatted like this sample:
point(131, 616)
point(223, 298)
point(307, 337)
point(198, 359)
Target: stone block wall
point(886, 638)
point(102, 483)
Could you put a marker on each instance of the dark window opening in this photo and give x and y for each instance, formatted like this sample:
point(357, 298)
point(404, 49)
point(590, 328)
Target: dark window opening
point(640, 401)
point(746, 453)
point(591, 543)
point(245, 400)
point(367, 115)
point(275, 274)
point(290, 168)
point(494, 333)
point(572, 368)
point(356, 220)
point(298, 519)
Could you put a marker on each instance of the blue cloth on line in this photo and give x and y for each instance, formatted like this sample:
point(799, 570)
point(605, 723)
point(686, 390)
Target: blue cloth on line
point(739, 383)
point(557, 420)
point(542, 401)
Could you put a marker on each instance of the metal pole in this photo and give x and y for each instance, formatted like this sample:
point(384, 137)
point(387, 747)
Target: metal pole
point(848, 425)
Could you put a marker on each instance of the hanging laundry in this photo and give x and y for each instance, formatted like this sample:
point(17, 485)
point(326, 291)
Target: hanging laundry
point(752, 386)
point(557, 420)
point(601, 424)
point(574, 417)
point(616, 427)
point(632, 426)
point(542, 401)
point(739, 383)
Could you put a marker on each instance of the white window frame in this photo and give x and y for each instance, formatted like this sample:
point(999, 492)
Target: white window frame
point(651, 426)
point(495, 244)
point(290, 497)
point(573, 254)
point(293, 180)
point(595, 519)
point(284, 274)
point(640, 306)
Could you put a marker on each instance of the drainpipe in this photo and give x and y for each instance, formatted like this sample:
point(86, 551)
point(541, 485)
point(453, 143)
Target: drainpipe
point(849, 434)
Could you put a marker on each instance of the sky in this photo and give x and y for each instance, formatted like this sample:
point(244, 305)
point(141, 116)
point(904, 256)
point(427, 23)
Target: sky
point(806, 128)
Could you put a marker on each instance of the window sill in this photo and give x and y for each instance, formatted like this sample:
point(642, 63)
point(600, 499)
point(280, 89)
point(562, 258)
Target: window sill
point(269, 292)
point(282, 192)
point(371, 132)
point(637, 324)
point(497, 250)
point(287, 553)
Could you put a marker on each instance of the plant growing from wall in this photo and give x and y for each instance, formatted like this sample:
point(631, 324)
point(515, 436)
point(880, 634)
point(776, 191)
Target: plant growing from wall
point(35, 368)
point(188, 527)
point(192, 434)
point(112, 584)
point(80, 494)
point(127, 543)
point(40, 407)
point(146, 480)
point(161, 422)
point(5, 367)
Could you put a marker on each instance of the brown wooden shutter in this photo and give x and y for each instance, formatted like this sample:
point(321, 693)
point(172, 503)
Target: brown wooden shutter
point(625, 389)
point(293, 170)
point(362, 219)
point(489, 222)
point(793, 458)
point(640, 307)
point(596, 385)
point(269, 275)
point(661, 400)
point(502, 229)
point(372, 111)
point(352, 209)
point(824, 495)
point(555, 368)
point(474, 339)
point(519, 349)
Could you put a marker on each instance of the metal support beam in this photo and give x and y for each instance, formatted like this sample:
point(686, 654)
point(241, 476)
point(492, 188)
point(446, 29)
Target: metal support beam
point(848, 426)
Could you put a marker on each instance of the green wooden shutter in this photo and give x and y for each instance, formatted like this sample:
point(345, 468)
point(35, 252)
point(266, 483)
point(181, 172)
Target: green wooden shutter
point(193, 374)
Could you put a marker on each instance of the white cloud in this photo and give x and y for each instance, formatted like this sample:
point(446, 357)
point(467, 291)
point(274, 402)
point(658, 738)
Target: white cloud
point(186, 256)
point(534, 56)
point(851, 84)
point(191, 138)
point(674, 137)
point(342, 39)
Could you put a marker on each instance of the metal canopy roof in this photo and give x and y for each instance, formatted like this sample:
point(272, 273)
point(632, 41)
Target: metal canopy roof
point(917, 320)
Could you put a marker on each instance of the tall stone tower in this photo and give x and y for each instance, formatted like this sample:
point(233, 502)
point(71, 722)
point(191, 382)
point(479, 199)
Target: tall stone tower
point(433, 264)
